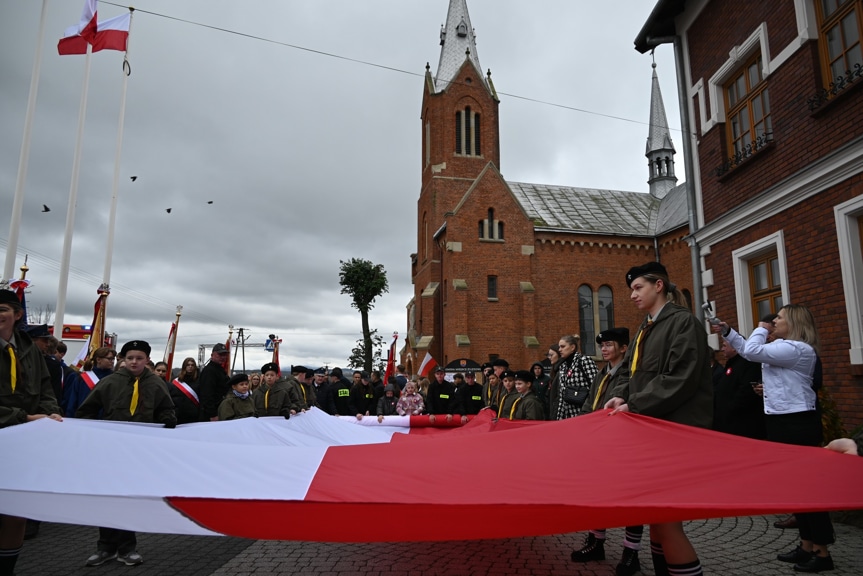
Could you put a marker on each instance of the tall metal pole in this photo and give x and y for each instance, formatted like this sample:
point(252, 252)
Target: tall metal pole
point(112, 219)
point(18, 202)
point(73, 202)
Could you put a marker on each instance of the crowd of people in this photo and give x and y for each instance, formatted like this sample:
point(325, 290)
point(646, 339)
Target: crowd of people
point(765, 390)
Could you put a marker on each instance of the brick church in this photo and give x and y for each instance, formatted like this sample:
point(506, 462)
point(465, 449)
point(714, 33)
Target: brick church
point(503, 269)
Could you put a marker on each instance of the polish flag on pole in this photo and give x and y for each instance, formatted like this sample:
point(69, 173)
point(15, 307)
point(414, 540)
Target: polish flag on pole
point(428, 364)
point(76, 37)
point(111, 34)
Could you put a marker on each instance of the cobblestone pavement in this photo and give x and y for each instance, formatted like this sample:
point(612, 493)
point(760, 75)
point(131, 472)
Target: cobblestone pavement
point(727, 546)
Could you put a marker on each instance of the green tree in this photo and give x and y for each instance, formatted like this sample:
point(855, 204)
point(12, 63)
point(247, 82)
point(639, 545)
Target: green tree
point(363, 281)
point(358, 353)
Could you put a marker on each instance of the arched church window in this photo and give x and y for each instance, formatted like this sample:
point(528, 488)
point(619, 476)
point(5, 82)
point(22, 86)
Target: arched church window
point(586, 328)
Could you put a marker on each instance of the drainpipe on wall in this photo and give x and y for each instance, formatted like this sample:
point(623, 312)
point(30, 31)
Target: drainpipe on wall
point(688, 159)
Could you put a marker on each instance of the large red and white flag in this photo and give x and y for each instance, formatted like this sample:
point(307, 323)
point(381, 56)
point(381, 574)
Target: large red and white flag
point(180, 482)
point(428, 364)
point(110, 34)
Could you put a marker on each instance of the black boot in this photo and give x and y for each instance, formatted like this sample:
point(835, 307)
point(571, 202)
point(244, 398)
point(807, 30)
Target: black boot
point(815, 564)
point(796, 556)
point(629, 563)
point(593, 549)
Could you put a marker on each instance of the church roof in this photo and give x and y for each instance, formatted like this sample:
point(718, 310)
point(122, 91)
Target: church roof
point(593, 211)
point(458, 42)
point(658, 136)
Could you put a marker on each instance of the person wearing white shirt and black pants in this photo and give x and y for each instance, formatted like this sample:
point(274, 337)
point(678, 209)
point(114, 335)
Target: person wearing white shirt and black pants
point(788, 365)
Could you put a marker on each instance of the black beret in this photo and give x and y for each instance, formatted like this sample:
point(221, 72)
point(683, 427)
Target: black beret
point(439, 369)
point(500, 362)
point(619, 335)
point(219, 348)
point(310, 373)
point(139, 345)
point(524, 375)
point(9, 297)
point(238, 379)
point(38, 331)
point(643, 270)
point(270, 367)
point(298, 369)
point(507, 374)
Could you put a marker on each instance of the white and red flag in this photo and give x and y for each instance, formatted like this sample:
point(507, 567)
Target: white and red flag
point(428, 364)
point(111, 34)
point(180, 482)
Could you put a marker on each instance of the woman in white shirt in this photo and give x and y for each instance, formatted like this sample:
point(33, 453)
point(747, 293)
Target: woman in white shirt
point(788, 365)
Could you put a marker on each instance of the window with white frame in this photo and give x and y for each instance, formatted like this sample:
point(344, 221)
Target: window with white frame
point(760, 280)
point(849, 231)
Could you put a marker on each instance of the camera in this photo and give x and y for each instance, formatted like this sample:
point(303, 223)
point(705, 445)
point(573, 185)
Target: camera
point(711, 317)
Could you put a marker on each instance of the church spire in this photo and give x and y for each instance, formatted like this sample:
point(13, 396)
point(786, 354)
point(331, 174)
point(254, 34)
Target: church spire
point(660, 150)
point(458, 43)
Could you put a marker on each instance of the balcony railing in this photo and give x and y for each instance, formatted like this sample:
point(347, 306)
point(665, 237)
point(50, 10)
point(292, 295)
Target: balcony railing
point(838, 85)
point(743, 155)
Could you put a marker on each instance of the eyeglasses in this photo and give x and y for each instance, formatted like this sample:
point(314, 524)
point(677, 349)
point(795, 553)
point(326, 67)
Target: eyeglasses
point(111, 358)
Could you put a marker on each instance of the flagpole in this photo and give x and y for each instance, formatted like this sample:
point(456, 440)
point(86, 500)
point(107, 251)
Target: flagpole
point(170, 359)
point(112, 219)
point(73, 202)
point(18, 203)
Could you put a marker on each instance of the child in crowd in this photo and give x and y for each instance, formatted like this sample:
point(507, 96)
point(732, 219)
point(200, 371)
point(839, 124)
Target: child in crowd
point(508, 396)
point(131, 394)
point(238, 403)
point(527, 406)
point(387, 404)
point(411, 403)
point(161, 370)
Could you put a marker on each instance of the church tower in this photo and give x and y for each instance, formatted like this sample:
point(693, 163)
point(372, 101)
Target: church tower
point(460, 138)
point(660, 150)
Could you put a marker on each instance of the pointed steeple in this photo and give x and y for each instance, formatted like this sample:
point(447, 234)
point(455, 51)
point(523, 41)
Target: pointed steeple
point(458, 42)
point(660, 150)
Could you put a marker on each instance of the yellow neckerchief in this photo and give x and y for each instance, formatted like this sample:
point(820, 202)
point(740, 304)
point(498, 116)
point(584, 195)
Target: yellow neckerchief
point(496, 392)
point(303, 388)
point(514, 404)
point(134, 404)
point(13, 366)
point(600, 390)
point(267, 399)
point(501, 400)
point(636, 353)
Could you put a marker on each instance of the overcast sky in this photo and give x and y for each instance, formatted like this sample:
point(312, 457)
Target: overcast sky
point(307, 159)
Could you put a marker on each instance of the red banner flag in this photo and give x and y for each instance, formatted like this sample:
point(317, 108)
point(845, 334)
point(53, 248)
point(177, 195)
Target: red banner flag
point(391, 360)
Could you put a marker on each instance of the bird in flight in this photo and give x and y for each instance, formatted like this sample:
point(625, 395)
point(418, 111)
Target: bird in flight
point(168, 210)
point(45, 208)
point(133, 178)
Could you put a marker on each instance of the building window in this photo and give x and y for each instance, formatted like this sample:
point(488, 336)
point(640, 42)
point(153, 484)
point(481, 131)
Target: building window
point(840, 23)
point(492, 287)
point(605, 308)
point(467, 131)
point(490, 229)
point(595, 314)
point(425, 238)
point(765, 285)
point(760, 280)
point(749, 126)
point(849, 232)
point(585, 320)
point(428, 143)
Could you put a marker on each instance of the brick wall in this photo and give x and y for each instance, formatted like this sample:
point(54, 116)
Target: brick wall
point(814, 278)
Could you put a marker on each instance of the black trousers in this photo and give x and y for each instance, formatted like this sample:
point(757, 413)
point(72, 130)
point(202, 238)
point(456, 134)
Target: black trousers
point(803, 429)
point(116, 540)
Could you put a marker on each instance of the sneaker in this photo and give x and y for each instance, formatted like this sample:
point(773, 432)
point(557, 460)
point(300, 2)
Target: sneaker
point(100, 557)
point(629, 563)
point(796, 556)
point(815, 564)
point(593, 549)
point(131, 559)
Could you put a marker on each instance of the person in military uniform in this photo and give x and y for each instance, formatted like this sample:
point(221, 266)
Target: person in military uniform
point(238, 403)
point(131, 394)
point(527, 406)
point(280, 398)
point(26, 394)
